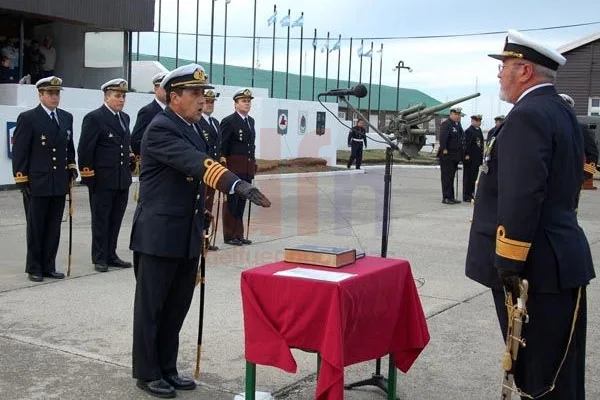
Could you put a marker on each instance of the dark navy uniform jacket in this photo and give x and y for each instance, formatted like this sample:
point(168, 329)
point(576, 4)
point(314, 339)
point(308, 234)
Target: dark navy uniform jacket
point(451, 139)
point(212, 134)
point(524, 218)
point(357, 133)
point(237, 145)
point(42, 153)
point(103, 150)
point(144, 116)
point(169, 218)
point(474, 144)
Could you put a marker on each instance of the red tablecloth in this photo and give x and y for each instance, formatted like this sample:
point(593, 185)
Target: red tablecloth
point(364, 317)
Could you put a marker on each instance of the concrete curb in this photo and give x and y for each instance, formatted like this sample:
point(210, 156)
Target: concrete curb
point(267, 177)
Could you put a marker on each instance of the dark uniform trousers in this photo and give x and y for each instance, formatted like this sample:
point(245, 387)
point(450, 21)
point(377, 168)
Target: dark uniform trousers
point(167, 232)
point(357, 137)
point(105, 167)
point(549, 312)
point(237, 145)
point(43, 153)
point(159, 312)
point(451, 141)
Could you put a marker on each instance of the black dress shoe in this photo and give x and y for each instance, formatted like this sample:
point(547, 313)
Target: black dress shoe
point(117, 262)
point(35, 277)
point(234, 242)
point(245, 241)
point(180, 382)
point(159, 388)
point(213, 248)
point(101, 267)
point(54, 274)
point(447, 201)
point(456, 201)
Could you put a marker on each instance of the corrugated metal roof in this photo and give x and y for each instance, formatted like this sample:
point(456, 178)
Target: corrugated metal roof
point(242, 76)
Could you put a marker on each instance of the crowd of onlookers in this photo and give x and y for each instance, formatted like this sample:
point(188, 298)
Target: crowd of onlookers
point(38, 60)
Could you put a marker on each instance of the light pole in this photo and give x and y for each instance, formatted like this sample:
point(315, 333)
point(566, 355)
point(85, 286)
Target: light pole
point(398, 68)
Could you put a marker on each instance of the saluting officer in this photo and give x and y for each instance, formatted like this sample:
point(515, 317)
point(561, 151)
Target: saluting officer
point(237, 148)
point(43, 161)
point(357, 137)
point(148, 112)
point(450, 153)
point(168, 228)
point(209, 126)
point(473, 156)
point(105, 164)
point(525, 224)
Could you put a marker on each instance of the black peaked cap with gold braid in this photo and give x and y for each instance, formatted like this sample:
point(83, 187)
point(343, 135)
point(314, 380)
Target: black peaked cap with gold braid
point(191, 76)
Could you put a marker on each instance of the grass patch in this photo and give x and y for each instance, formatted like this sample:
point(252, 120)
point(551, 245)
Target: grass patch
point(377, 156)
point(294, 165)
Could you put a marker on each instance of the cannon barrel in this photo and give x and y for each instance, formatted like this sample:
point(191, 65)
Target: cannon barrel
point(439, 107)
point(412, 109)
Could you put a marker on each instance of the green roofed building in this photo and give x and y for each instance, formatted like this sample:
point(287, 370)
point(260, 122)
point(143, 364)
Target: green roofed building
point(242, 76)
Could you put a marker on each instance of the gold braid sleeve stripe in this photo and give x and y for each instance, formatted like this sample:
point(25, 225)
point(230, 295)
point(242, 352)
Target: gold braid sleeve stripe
point(87, 173)
point(510, 248)
point(590, 168)
point(214, 172)
point(20, 178)
point(72, 166)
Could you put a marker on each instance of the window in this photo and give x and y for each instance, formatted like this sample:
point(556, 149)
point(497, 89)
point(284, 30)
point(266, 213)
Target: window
point(594, 106)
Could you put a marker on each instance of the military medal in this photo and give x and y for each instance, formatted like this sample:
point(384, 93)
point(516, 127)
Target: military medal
point(43, 137)
point(110, 135)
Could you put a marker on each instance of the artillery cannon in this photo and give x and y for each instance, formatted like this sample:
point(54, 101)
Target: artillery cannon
point(405, 127)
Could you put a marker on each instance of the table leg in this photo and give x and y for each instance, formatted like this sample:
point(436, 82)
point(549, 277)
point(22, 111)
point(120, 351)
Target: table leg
point(391, 389)
point(250, 381)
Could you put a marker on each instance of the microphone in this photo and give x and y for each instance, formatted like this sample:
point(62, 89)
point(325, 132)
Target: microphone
point(359, 91)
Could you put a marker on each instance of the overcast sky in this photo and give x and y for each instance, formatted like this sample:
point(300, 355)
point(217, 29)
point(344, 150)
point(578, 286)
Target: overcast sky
point(444, 68)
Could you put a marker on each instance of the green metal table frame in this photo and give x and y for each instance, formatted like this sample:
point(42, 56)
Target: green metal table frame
point(251, 379)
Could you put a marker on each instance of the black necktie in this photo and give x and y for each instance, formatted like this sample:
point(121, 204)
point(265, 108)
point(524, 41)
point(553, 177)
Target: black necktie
point(248, 123)
point(53, 118)
point(121, 124)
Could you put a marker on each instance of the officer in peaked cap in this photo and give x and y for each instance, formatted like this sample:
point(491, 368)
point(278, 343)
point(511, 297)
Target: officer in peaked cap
point(450, 153)
point(169, 224)
point(525, 225)
point(473, 156)
point(149, 111)
point(210, 129)
point(238, 152)
point(43, 160)
point(498, 120)
point(105, 164)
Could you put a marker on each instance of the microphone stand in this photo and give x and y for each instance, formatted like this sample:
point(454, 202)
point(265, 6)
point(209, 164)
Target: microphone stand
point(377, 379)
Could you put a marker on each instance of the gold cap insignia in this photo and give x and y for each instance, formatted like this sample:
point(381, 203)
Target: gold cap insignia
point(247, 92)
point(55, 82)
point(199, 75)
point(123, 85)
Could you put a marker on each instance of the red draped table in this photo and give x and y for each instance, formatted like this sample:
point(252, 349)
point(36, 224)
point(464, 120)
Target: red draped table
point(375, 312)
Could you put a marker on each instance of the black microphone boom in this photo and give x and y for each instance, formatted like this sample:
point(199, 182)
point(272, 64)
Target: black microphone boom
point(359, 91)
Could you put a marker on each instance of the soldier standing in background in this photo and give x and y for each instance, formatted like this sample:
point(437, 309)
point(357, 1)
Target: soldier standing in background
point(473, 156)
point(450, 153)
point(499, 120)
point(148, 112)
point(237, 146)
point(357, 137)
point(43, 165)
point(105, 164)
point(209, 126)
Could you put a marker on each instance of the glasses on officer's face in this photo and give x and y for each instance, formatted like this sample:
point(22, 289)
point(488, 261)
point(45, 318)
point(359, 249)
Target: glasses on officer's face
point(502, 66)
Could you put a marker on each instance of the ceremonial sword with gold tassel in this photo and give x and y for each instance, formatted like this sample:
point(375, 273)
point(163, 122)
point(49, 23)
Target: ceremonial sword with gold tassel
point(71, 212)
point(201, 279)
point(517, 316)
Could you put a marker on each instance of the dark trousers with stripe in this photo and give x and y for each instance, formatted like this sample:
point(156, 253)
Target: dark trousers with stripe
point(108, 208)
point(163, 294)
point(356, 153)
point(44, 215)
point(547, 335)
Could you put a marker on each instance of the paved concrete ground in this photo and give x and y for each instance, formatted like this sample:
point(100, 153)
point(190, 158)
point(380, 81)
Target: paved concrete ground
point(71, 339)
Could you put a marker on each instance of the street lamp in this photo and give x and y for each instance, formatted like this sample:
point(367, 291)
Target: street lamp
point(398, 68)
